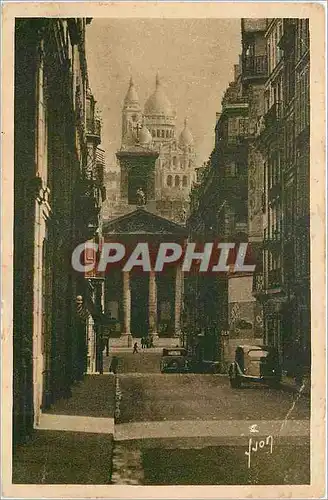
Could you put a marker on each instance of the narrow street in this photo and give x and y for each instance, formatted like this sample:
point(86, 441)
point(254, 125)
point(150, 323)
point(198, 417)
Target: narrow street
point(195, 429)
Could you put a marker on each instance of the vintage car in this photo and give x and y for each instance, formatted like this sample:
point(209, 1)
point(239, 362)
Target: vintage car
point(175, 359)
point(255, 363)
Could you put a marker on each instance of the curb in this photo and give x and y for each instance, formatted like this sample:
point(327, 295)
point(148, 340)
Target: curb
point(118, 397)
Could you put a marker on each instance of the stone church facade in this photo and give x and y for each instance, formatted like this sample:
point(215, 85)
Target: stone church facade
point(157, 171)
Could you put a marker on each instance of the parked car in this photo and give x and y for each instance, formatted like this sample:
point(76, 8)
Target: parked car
point(255, 363)
point(176, 359)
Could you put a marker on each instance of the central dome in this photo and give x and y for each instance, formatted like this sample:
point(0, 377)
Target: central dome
point(158, 103)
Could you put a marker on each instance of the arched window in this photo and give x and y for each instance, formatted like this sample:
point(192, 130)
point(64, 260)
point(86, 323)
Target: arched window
point(174, 161)
point(167, 134)
point(163, 133)
point(169, 180)
point(158, 133)
point(184, 181)
point(177, 181)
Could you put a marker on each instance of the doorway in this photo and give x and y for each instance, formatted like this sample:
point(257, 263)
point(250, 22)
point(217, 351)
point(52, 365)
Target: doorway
point(139, 304)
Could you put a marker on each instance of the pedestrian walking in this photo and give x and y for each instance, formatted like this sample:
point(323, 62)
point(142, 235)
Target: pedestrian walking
point(135, 348)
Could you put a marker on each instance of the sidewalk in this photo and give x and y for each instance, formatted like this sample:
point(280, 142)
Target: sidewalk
point(73, 443)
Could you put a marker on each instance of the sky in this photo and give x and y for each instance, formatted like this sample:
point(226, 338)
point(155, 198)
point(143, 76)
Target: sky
point(195, 61)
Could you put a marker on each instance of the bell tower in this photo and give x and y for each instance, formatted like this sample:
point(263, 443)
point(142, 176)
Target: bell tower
point(131, 115)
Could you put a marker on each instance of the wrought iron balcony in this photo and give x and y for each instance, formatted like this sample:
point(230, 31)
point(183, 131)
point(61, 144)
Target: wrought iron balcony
point(255, 66)
point(94, 127)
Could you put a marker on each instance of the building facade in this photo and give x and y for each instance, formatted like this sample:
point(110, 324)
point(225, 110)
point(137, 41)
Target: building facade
point(283, 284)
point(226, 206)
point(257, 187)
point(56, 207)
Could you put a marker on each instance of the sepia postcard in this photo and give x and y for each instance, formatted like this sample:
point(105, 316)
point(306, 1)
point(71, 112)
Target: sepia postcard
point(163, 250)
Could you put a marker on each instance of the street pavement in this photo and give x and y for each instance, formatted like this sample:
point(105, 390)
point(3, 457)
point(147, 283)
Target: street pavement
point(195, 429)
point(149, 395)
point(156, 397)
point(172, 429)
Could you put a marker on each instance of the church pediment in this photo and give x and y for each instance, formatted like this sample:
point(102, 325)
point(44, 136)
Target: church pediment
point(142, 222)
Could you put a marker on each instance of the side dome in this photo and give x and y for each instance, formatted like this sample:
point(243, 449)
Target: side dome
point(145, 136)
point(186, 138)
point(158, 103)
point(131, 95)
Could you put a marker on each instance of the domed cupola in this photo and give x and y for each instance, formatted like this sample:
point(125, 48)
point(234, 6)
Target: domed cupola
point(131, 98)
point(186, 138)
point(158, 104)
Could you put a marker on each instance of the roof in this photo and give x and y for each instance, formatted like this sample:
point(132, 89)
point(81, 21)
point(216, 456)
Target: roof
point(158, 103)
point(142, 222)
point(250, 347)
point(131, 96)
point(186, 138)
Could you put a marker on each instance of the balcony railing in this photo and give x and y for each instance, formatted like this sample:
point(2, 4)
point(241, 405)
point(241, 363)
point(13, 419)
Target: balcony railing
point(94, 127)
point(255, 66)
point(273, 115)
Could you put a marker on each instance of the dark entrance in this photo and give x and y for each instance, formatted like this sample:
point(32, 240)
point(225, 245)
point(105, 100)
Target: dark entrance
point(139, 304)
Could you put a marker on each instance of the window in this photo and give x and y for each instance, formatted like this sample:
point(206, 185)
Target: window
point(269, 56)
point(232, 127)
point(303, 37)
point(174, 161)
point(290, 141)
point(302, 101)
point(177, 181)
point(158, 133)
point(169, 180)
point(153, 133)
point(279, 51)
point(185, 181)
point(163, 133)
point(167, 134)
point(232, 169)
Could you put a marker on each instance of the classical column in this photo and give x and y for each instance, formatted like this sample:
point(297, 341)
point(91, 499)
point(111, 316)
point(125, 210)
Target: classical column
point(178, 300)
point(152, 305)
point(126, 306)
